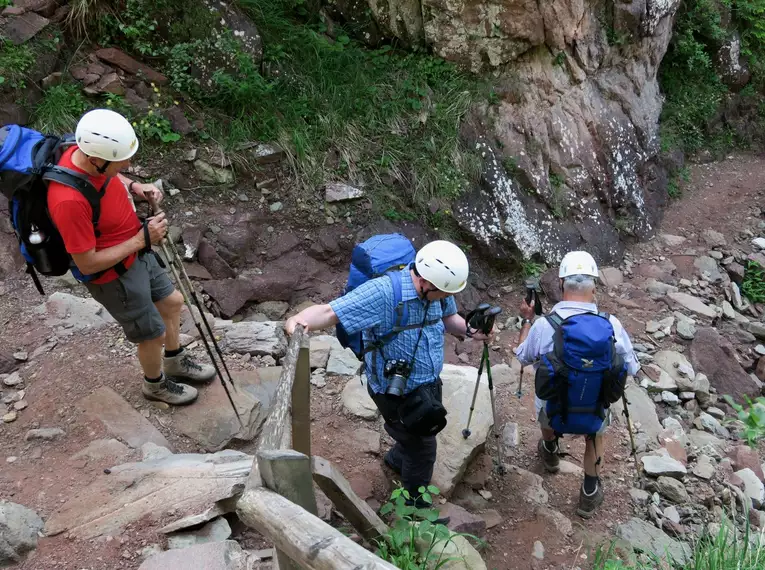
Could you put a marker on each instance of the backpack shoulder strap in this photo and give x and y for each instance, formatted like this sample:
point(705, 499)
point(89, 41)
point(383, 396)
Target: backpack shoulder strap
point(555, 320)
point(81, 183)
point(605, 315)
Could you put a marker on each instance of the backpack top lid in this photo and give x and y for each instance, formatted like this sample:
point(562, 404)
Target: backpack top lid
point(585, 341)
point(378, 255)
point(17, 145)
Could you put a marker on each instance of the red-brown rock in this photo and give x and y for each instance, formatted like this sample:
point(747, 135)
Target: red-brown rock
point(760, 370)
point(715, 357)
point(214, 263)
point(130, 65)
point(743, 456)
point(461, 520)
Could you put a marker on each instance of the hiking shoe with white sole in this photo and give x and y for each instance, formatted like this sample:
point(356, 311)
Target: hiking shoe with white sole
point(169, 392)
point(550, 459)
point(185, 367)
point(588, 504)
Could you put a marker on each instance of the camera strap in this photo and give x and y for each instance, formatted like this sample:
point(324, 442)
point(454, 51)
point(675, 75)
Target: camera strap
point(416, 344)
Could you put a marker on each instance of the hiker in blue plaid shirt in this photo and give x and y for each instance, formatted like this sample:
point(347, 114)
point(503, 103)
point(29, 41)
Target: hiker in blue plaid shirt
point(439, 271)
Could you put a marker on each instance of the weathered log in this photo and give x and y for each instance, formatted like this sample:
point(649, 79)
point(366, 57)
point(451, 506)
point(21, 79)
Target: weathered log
point(361, 516)
point(304, 538)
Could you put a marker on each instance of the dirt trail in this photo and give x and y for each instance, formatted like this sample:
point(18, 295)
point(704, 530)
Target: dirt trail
point(41, 475)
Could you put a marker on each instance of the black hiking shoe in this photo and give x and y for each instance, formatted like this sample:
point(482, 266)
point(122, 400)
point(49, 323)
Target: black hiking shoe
point(550, 460)
point(389, 460)
point(588, 504)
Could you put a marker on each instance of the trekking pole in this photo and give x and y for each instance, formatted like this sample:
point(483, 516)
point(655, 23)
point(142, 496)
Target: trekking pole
point(466, 432)
point(500, 454)
point(519, 393)
point(632, 436)
point(201, 312)
point(182, 286)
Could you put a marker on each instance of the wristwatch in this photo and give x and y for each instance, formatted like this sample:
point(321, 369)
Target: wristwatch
point(130, 186)
point(524, 321)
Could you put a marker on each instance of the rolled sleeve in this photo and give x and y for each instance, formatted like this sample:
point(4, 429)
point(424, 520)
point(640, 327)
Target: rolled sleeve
point(364, 307)
point(450, 307)
point(624, 347)
point(528, 351)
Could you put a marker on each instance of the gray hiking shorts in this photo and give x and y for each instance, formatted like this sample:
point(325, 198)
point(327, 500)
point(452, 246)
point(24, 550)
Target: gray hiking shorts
point(544, 421)
point(130, 298)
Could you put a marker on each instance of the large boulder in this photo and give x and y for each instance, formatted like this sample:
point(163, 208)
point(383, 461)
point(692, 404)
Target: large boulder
point(568, 147)
point(454, 451)
point(715, 357)
point(645, 537)
point(19, 528)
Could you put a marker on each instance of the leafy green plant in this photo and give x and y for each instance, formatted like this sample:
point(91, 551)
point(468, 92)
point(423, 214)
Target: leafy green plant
point(753, 285)
point(59, 109)
point(752, 416)
point(15, 62)
point(415, 541)
point(532, 268)
point(5, 3)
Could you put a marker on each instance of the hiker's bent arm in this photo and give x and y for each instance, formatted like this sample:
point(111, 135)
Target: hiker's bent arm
point(455, 325)
point(93, 261)
point(314, 318)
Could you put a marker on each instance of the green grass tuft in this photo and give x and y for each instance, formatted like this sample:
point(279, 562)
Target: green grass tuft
point(60, 109)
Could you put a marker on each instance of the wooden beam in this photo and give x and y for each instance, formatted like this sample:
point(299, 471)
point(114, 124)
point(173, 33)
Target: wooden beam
point(288, 473)
point(301, 403)
point(303, 537)
point(277, 429)
point(361, 516)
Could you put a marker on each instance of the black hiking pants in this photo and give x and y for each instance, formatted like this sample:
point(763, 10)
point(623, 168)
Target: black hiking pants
point(413, 456)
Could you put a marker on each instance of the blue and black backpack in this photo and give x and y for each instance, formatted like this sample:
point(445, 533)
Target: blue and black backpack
point(383, 254)
point(28, 161)
point(583, 374)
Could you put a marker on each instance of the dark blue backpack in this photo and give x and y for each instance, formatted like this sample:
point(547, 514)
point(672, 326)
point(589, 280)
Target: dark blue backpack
point(28, 161)
point(583, 374)
point(383, 254)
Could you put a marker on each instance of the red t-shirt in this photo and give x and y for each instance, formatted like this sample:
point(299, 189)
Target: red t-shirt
point(72, 215)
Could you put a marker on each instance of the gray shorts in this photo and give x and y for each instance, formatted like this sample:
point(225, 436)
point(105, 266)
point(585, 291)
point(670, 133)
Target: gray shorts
point(544, 421)
point(130, 298)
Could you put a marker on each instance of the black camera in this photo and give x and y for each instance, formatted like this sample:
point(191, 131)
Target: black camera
point(482, 318)
point(532, 294)
point(397, 372)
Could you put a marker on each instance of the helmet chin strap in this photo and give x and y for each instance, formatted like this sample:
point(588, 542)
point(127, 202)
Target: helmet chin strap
point(102, 169)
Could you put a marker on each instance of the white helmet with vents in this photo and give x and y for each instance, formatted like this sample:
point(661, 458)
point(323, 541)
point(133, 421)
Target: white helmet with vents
point(103, 133)
point(443, 264)
point(578, 263)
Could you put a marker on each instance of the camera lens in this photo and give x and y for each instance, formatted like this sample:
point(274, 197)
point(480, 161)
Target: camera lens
point(396, 385)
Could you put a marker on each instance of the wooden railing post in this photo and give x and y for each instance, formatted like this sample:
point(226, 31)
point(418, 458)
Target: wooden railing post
point(301, 402)
point(288, 473)
point(277, 429)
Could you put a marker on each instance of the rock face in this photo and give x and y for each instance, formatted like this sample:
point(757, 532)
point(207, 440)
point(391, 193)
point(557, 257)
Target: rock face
point(18, 532)
point(570, 149)
point(224, 555)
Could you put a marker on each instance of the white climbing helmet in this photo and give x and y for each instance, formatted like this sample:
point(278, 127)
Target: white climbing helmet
point(443, 264)
point(102, 133)
point(577, 263)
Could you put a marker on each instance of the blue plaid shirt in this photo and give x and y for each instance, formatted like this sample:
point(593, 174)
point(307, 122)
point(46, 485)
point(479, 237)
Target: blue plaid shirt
point(371, 308)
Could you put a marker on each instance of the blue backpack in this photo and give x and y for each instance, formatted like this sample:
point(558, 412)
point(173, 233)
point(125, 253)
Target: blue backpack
point(583, 374)
point(28, 161)
point(383, 254)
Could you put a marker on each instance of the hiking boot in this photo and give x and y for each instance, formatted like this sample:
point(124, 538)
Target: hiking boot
point(588, 504)
point(390, 460)
point(169, 392)
point(184, 367)
point(550, 459)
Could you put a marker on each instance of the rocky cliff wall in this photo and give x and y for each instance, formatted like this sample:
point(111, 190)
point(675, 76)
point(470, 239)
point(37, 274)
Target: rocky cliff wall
point(570, 142)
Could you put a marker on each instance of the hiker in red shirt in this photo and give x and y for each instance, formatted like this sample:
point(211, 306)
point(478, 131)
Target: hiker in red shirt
point(113, 254)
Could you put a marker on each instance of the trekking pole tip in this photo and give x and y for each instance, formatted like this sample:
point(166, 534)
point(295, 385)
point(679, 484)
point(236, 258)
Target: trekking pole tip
point(466, 433)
